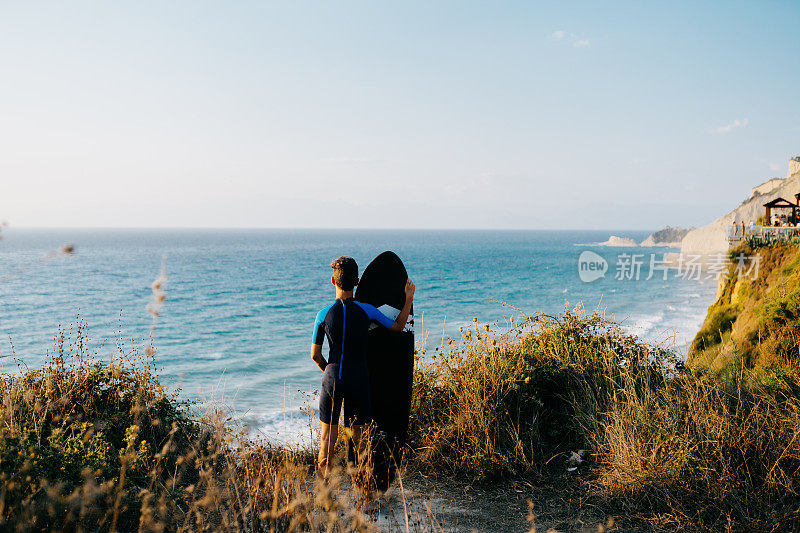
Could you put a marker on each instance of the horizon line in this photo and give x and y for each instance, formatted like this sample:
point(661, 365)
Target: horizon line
point(7, 229)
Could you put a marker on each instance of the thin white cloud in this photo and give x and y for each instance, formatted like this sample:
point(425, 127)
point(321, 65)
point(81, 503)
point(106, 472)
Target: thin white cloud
point(774, 167)
point(563, 35)
point(735, 125)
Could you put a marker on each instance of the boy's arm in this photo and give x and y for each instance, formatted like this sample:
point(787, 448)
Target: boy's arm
point(400, 322)
point(402, 318)
point(316, 355)
point(316, 340)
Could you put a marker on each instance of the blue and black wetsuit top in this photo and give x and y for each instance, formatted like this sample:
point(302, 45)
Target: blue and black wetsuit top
point(345, 323)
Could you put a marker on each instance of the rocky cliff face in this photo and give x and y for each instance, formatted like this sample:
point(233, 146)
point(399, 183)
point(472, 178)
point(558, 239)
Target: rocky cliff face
point(767, 186)
point(794, 165)
point(669, 236)
point(712, 238)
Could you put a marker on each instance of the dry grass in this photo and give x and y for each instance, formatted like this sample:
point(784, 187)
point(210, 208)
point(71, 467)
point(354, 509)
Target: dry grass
point(87, 446)
point(677, 447)
point(706, 450)
point(103, 446)
point(504, 401)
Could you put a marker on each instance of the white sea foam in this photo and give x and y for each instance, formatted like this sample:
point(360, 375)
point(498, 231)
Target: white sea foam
point(644, 325)
point(673, 327)
point(297, 426)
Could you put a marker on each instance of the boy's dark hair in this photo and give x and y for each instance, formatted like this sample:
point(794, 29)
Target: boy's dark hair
point(345, 272)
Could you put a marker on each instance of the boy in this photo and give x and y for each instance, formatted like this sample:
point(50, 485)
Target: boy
point(345, 377)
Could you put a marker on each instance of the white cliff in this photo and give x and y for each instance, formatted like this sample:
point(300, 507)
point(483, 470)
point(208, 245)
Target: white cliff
point(767, 186)
point(618, 241)
point(713, 238)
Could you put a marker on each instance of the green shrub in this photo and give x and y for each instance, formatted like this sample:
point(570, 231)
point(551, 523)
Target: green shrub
point(719, 321)
point(503, 403)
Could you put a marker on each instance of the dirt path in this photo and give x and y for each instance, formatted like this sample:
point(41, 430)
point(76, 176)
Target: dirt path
point(443, 504)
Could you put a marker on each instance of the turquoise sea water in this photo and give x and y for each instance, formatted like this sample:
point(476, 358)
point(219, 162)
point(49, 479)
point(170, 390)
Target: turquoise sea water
point(240, 304)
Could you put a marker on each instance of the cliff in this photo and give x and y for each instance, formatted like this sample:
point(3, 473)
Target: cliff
point(756, 318)
point(668, 236)
point(619, 241)
point(712, 238)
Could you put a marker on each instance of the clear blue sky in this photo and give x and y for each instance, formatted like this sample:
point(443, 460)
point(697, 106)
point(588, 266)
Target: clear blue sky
point(389, 114)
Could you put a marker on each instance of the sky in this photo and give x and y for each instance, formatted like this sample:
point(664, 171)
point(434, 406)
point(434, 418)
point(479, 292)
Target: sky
point(529, 115)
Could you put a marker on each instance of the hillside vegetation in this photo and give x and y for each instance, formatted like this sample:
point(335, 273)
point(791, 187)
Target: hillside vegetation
point(93, 445)
point(675, 446)
point(87, 445)
point(755, 321)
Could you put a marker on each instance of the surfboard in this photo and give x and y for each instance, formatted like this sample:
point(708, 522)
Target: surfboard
point(390, 360)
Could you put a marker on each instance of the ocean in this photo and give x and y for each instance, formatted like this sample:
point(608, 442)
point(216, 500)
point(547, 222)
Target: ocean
point(236, 323)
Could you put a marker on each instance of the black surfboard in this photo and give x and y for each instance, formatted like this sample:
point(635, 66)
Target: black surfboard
point(390, 359)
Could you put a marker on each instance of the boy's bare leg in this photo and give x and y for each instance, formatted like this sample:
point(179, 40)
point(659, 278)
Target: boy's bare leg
point(329, 433)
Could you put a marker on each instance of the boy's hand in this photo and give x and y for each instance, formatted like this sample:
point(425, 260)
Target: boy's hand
point(410, 288)
point(400, 321)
